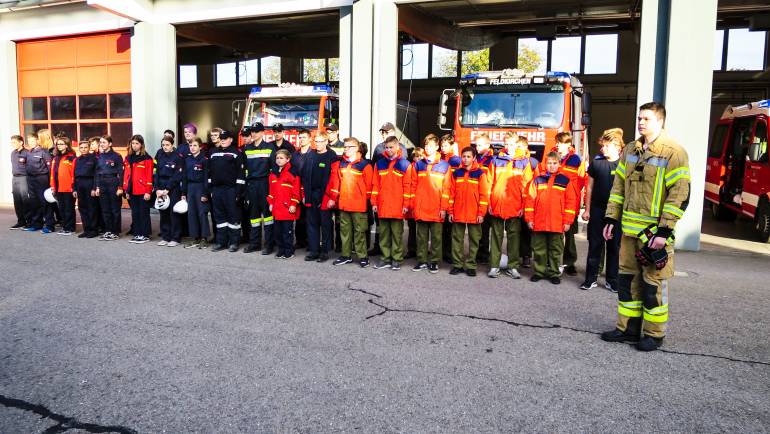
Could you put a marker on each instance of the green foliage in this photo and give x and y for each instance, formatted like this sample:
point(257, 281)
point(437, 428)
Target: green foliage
point(529, 60)
point(475, 61)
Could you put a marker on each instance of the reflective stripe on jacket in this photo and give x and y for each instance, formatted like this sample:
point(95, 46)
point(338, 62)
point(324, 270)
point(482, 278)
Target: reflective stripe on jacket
point(468, 194)
point(551, 203)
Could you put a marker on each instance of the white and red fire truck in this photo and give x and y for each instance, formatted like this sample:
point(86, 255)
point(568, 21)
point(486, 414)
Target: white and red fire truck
point(534, 106)
point(294, 106)
point(737, 170)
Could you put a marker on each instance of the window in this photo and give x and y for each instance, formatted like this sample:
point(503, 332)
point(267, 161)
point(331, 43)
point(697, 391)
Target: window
point(474, 61)
point(248, 72)
point(270, 70)
point(527, 108)
point(601, 56)
point(532, 55)
point(188, 76)
point(443, 62)
point(718, 141)
point(334, 69)
point(226, 74)
point(565, 54)
point(414, 61)
point(758, 149)
point(314, 70)
point(719, 46)
point(745, 50)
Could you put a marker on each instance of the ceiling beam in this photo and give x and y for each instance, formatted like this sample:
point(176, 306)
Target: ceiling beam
point(262, 46)
point(441, 32)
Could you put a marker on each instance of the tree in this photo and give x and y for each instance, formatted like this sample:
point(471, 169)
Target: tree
point(314, 70)
point(529, 60)
point(475, 61)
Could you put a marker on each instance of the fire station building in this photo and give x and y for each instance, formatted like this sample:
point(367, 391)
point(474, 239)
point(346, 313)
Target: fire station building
point(123, 67)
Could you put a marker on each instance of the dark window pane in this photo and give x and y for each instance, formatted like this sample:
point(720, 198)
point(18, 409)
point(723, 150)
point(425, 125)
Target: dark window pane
point(33, 128)
point(63, 107)
point(121, 133)
point(91, 130)
point(35, 108)
point(69, 130)
point(120, 106)
point(93, 107)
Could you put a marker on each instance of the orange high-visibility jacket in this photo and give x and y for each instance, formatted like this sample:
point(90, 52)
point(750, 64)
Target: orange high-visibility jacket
point(63, 173)
point(509, 186)
point(551, 203)
point(572, 166)
point(350, 185)
point(137, 176)
point(454, 161)
point(430, 189)
point(468, 194)
point(391, 187)
point(485, 161)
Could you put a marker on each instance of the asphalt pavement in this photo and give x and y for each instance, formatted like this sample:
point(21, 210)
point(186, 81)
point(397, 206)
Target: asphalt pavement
point(99, 336)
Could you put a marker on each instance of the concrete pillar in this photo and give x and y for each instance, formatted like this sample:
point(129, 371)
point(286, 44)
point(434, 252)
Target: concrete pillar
point(688, 84)
point(9, 115)
point(346, 73)
point(679, 74)
point(153, 82)
point(368, 68)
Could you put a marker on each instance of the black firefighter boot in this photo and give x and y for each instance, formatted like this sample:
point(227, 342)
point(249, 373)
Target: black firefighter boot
point(631, 334)
point(235, 239)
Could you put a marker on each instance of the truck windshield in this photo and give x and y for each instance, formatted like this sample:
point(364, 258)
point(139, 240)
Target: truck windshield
point(538, 108)
point(289, 113)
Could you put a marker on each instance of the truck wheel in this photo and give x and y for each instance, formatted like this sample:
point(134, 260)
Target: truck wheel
point(763, 222)
point(722, 213)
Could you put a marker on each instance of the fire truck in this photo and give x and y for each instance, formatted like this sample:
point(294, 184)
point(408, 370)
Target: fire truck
point(294, 106)
point(534, 106)
point(737, 170)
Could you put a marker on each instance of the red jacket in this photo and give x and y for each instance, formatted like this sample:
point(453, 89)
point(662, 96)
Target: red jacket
point(391, 187)
point(509, 186)
point(63, 173)
point(284, 192)
point(468, 194)
point(137, 174)
point(430, 189)
point(551, 203)
point(350, 185)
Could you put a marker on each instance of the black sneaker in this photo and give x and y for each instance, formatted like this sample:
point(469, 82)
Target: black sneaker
point(535, 278)
point(649, 343)
point(218, 247)
point(611, 287)
point(279, 255)
point(381, 264)
point(619, 336)
point(311, 257)
point(433, 268)
point(342, 260)
point(470, 272)
point(363, 262)
point(395, 265)
point(455, 271)
point(267, 251)
point(83, 235)
point(16, 227)
point(588, 285)
point(288, 255)
point(570, 270)
point(420, 266)
point(251, 248)
point(555, 280)
point(323, 257)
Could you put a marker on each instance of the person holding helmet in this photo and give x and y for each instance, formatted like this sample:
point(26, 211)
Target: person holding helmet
point(260, 158)
point(169, 166)
point(227, 175)
point(649, 195)
point(38, 172)
point(195, 191)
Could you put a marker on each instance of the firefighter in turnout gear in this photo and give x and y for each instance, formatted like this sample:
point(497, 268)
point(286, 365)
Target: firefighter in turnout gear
point(260, 158)
point(649, 195)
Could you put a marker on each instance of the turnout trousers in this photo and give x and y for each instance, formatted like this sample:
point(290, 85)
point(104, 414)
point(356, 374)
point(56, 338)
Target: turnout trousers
point(642, 291)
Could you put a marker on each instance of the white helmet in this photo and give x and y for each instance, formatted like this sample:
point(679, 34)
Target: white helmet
point(180, 207)
point(162, 202)
point(49, 197)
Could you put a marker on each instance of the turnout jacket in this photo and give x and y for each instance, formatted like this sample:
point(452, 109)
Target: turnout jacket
point(468, 194)
point(651, 187)
point(551, 203)
point(391, 189)
point(259, 159)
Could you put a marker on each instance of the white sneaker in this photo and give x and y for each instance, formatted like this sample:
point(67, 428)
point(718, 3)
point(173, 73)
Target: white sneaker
point(493, 272)
point(172, 243)
point(513, 273)
point(162, 243)
point(141, 240)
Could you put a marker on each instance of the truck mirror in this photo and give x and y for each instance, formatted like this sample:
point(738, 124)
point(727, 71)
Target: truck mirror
point(586, 119)
point(236, 112)
point(443, 107)
point(586, 102)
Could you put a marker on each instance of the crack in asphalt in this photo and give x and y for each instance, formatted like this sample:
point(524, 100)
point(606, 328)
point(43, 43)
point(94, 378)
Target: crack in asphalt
point(64, 423)
point(386, 309)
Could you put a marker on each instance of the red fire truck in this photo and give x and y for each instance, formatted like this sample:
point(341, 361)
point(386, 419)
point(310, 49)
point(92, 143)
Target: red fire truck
point(534, 106)
point(737, 170)
point(294, 106)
